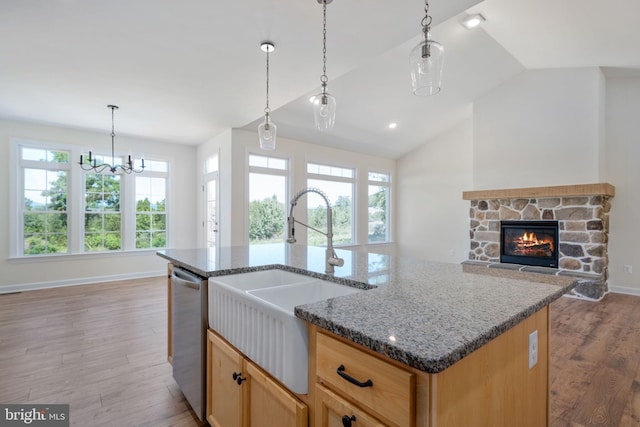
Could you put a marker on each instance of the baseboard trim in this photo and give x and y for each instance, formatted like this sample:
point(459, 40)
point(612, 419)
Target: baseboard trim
point(21, 287)
point(624, 290)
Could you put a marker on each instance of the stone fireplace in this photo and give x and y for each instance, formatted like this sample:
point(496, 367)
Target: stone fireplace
point(582, 215)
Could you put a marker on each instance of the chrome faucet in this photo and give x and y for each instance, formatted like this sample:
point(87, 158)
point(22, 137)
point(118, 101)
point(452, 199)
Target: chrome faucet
point(331, 258)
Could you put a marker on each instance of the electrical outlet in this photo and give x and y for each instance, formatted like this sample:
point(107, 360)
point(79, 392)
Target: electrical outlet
point(628, 269)
point(533, 349)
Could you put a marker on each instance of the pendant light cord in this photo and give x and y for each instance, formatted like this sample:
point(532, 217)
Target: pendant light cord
point(267, 110)
point(426, 21)
point(324, 78)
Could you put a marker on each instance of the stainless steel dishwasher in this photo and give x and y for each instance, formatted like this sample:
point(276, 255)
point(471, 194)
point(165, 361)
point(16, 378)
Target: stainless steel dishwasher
point(189, 323)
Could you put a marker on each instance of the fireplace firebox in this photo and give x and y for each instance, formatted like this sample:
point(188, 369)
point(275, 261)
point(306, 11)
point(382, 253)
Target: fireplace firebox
point(529, 243)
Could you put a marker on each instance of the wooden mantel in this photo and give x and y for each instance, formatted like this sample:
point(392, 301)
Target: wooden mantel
point(601, 189)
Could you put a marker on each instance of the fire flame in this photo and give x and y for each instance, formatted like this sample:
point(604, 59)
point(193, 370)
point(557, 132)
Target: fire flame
point(528, 240)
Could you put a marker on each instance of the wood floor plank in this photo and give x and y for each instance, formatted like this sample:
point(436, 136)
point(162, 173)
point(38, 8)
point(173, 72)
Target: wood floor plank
point(100, 348)
point(595, 360)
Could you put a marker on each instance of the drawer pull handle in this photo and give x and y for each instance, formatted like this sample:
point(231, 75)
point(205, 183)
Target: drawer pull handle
point(237, 377)
point(343, 374)
point(346, 420)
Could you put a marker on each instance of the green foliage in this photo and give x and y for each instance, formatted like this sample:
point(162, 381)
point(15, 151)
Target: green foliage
point(41, 244)
point(378, 215)
point(266, 220)
point(150, 227)
point(45, 226)
point(342, 214)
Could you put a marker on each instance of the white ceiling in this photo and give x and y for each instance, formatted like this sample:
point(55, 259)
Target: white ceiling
point(185, 71)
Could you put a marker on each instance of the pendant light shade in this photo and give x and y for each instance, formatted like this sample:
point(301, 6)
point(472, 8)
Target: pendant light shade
point(324, 111)
point(267, 134)
point(324, 104)
point(426, 61)
point(267, 129)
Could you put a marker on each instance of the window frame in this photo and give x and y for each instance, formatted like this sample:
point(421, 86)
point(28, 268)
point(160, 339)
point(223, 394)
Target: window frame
point(353, 180)
point(134, 226)
point(388, 185)
point(75, 202)
point(286, 173)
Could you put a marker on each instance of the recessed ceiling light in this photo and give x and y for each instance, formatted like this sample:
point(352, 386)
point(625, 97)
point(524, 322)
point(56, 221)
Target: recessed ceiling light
point(393, 125)
point(472, 21)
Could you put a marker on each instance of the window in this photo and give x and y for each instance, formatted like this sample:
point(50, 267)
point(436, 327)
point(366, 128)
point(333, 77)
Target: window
point(151, 212)
point(267, 199)
point(102, 219)
point(378, 209)
point(44, 201)
point(338, 184)
point(65, 210)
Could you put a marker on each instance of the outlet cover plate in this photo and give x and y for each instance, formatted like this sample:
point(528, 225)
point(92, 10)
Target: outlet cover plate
point(533, 349)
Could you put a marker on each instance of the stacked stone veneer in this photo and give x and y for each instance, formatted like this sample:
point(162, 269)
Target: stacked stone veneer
point(583, 224)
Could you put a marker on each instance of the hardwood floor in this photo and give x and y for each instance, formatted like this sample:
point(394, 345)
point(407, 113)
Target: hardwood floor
point(595, 362)
point(102, 349)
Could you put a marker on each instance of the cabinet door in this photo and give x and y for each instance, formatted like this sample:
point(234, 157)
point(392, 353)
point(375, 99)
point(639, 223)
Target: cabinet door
point(333, 411)
point(224, 394)
point(269, 404)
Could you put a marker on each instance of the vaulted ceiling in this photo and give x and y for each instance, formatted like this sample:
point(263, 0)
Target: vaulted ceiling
point(186, 71)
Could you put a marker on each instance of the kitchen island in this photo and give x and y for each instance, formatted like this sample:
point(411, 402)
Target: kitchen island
point(462, 332)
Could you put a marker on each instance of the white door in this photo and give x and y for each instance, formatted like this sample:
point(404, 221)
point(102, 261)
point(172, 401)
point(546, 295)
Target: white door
point(210, 222)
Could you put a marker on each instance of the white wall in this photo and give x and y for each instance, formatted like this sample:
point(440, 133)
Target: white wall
point(543, 127)
point(432, 218)
point(587, 123)
point(623, 170)
point(75, 269)
point(244, 142)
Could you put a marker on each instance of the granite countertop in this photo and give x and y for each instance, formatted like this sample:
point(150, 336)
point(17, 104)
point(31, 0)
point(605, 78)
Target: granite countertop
point(427, 315)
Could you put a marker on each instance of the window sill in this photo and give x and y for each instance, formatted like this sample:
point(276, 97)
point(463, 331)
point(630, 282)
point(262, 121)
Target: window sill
point(93, 255)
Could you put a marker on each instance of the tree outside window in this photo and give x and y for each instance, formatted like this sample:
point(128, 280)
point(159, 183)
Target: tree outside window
point(102, 219)
point(267, 190)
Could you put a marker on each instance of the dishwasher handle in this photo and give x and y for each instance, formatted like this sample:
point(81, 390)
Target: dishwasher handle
point(186, 276)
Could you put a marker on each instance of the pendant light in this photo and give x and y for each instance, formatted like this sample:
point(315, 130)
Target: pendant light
point(324, 104)
point(90, 163)
point(267, 129)
point(426, 59)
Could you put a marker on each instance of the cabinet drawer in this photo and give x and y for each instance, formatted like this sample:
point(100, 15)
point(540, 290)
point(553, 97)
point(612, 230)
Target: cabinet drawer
point(385, 390)
point(331, 411)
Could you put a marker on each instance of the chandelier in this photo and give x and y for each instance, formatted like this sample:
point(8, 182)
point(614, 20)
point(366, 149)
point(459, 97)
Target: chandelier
point(90, 163)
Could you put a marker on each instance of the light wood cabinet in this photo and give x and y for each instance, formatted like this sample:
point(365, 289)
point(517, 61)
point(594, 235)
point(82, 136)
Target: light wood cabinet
point(491, 387)
point(382, 389)
point(333, 411)
point(241, 394)
point(224, 383)
point(270, 404)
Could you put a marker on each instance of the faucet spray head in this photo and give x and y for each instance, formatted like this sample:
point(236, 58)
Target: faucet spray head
point(291, 229)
